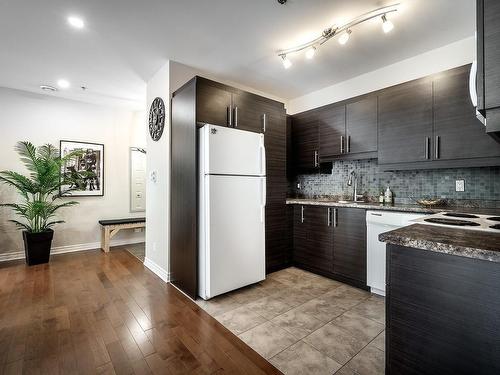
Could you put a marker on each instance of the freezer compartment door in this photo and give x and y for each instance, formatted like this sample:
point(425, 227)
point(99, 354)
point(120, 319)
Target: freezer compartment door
point(235, 229)
point(229, 151)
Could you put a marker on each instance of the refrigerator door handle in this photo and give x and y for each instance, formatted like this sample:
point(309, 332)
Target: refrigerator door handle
point(262, 155)
point(262, 199)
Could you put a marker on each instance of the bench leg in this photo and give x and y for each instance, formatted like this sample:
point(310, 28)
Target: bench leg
point(105, 239)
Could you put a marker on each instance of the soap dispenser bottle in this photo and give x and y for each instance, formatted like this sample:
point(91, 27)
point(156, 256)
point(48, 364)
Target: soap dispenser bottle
point(388, 195)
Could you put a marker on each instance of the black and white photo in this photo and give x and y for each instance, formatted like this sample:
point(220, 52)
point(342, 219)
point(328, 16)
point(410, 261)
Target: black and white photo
point(86, 171)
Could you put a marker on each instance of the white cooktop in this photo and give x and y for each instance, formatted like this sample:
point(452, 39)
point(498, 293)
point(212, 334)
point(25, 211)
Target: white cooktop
point(463, 221)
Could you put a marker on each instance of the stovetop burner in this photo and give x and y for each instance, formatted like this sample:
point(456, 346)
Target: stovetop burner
point(494, 218)
point(496, 226)
point(455, 222)
point(466, 216)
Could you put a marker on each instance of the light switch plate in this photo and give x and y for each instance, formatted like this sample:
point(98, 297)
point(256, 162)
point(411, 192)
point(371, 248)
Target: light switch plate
point(460, 185)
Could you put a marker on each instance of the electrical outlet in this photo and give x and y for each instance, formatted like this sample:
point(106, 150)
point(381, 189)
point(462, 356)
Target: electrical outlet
point(460, 185)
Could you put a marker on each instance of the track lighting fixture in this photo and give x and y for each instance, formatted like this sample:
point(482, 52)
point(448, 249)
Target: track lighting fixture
point(387, 25)
point(286, 62)
point(344, 31)
point(345, 37)
point(311, 51)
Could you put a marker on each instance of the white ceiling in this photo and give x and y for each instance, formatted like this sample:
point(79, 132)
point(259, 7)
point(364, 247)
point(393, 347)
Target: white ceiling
point(126, 41)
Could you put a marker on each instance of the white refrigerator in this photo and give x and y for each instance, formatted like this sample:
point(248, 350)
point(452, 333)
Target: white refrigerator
point(232, 200)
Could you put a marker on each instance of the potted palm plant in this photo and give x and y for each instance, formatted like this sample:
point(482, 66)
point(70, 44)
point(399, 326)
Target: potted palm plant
point(39, 192)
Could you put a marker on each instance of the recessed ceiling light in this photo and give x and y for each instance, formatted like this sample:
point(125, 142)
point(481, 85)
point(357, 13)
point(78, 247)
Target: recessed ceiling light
point(48, 88)
point(76, 22)
point(62, 83)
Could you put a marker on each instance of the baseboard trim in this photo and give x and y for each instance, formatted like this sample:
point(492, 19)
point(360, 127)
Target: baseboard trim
point(70, 249)
point(157, 270)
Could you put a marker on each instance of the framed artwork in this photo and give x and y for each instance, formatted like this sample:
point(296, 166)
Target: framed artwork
point(86, 171)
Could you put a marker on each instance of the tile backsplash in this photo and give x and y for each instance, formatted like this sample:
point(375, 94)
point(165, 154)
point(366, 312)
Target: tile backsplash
point(482, 185)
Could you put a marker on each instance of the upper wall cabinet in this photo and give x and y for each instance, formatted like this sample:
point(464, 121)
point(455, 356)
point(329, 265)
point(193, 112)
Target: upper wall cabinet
point(305, 143)
point(361, 126)
point(213, 103)
point(223, 105)
point(458, 134)
point(405, 123)
point(331, 124)
point(488, 68)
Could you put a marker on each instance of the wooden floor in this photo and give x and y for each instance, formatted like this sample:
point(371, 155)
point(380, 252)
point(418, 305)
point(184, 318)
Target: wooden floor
point(96, 313)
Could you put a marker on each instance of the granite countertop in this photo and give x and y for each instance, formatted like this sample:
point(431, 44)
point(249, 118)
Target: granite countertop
point(393, 207)
point(454, 241)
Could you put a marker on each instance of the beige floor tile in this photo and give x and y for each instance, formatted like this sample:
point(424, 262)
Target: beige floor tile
point(301, 359)
point(218, 305)
point(240, 320)
point(369, 361)
point(317, 286)
point(336, 343)
point(248, 294)
point(270, 286)
point(345, 371)
point(290, 278)
point(346, 296)
point(297, 323)
point(321, 309)
point(268, 339)
point(269, 307)
point(360, 327)
point(294, 297)
point(373, 309)
point(379, 341)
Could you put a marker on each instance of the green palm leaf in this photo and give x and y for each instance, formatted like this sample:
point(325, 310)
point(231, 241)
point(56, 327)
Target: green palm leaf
point(40, 190)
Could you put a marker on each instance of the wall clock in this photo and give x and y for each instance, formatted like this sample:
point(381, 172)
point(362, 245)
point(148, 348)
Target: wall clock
point(156, 119)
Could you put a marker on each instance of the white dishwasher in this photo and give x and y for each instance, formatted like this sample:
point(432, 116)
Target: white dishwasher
point(379, 222)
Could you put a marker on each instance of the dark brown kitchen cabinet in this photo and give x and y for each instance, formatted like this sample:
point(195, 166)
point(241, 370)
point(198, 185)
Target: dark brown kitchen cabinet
point(458, 134)
point(349, 244)
point(248, 112)
point(361, 126)
point(405, 123)
point(305, 143)
point(213, 103)
point(331, 124)
point(331, 241)
point(488, 69)
point(313, 238)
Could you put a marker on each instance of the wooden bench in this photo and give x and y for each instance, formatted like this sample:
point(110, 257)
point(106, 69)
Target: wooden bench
point(109, 228)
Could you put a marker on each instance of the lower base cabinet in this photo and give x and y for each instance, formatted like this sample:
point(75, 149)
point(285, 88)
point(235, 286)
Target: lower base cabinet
point(331, 242)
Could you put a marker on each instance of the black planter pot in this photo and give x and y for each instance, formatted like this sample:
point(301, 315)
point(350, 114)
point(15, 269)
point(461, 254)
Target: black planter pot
point(37, 246)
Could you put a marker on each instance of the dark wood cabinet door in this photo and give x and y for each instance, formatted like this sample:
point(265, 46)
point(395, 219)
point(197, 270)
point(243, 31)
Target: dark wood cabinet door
point(277, 247)
point(305, 143)
point(491, 30)
point(458, 134)
point(313, 238)
point(405, 123)
point(248, 112)
point(331, 123)
point(213, 104)
point(361, 126)
point(349, 244)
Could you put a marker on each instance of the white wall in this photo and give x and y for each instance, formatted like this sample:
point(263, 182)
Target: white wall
point(44, 119)
point(158, 194)
point(437, 60)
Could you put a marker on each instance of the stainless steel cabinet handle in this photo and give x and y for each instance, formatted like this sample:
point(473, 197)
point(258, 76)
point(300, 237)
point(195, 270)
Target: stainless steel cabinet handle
point(316, 159)
point(230, 116)
point(335, 218)
point(301, 214)
point(427, 141)
point(235, 117)
point(436, 147)
point(348, 143)
point(329, 219)
point(264, 122)
point(341, 144)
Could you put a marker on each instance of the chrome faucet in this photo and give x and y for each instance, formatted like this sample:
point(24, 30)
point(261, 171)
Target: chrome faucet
point(355, 195)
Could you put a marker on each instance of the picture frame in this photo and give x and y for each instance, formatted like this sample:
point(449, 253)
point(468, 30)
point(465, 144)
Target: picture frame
point(87, 170)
